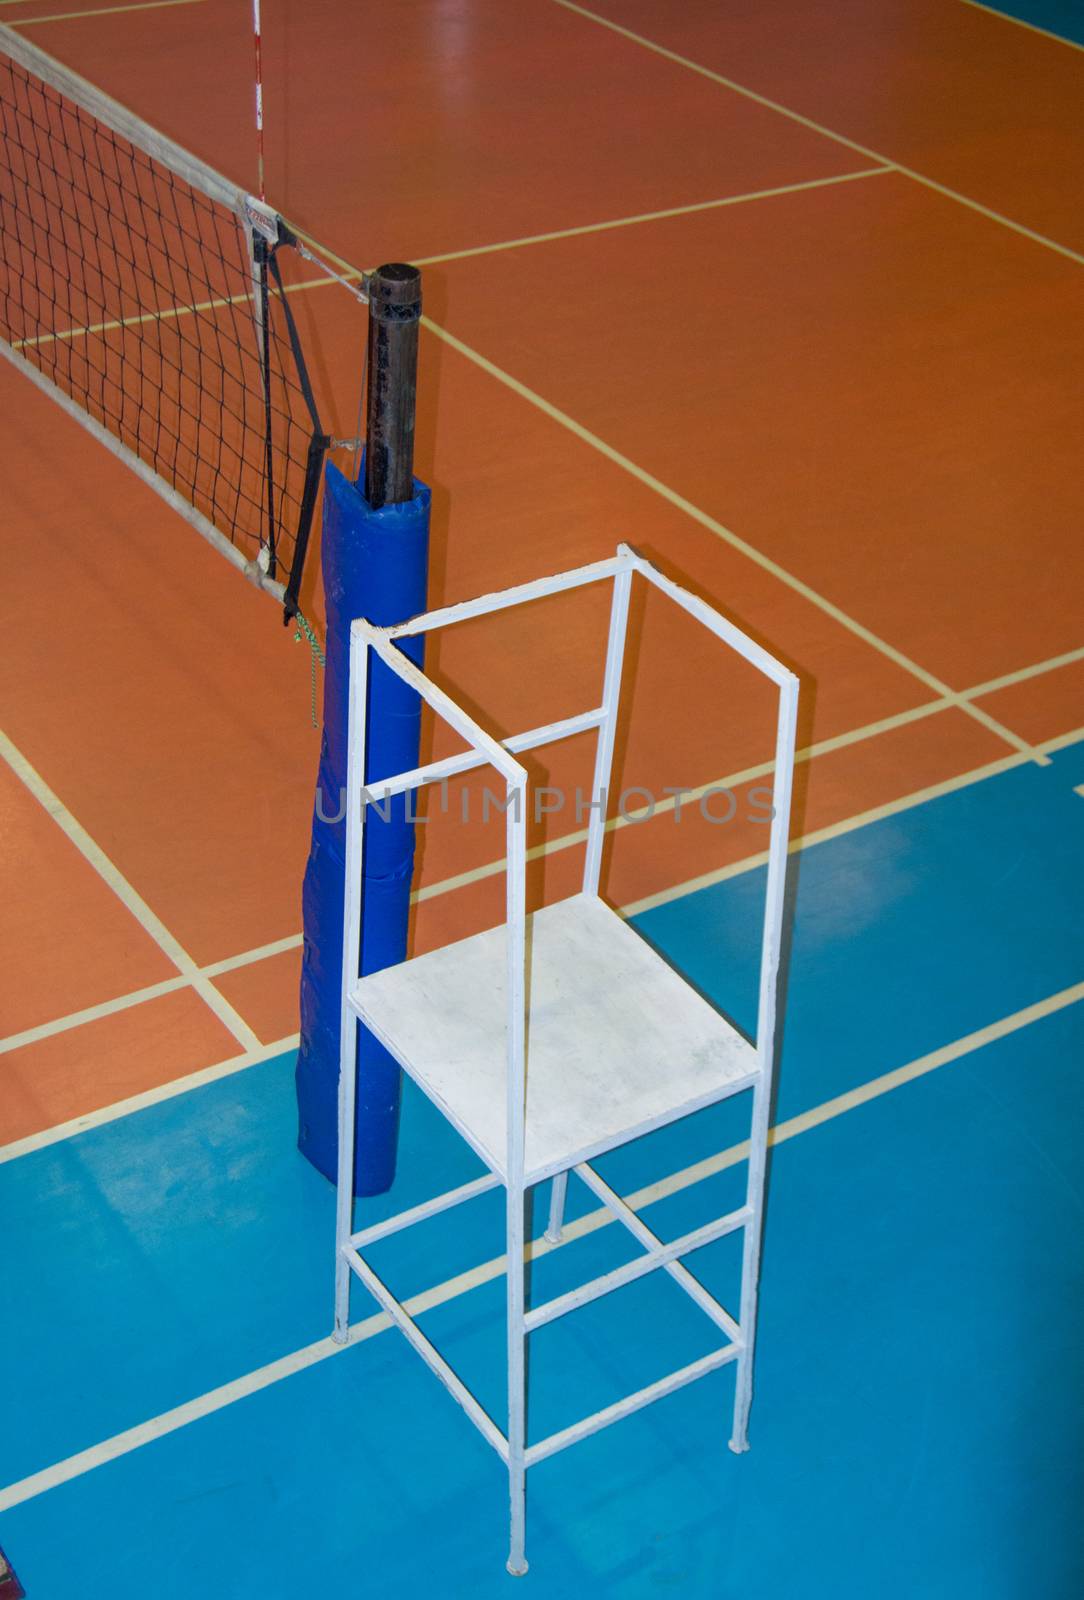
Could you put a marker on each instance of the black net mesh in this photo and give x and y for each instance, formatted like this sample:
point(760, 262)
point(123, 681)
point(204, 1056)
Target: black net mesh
point(145, 301)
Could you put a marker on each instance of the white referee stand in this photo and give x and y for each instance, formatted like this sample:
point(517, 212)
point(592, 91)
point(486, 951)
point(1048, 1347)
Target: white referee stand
point(558, 1036)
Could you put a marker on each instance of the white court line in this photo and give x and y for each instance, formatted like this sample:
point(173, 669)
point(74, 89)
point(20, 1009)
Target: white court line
point(833, 830)
point(816, 1116)
point(153, 991)
point(570, 840)
point(1018, 22)
point(584, 434)
point(204, 1405)
point(648, 216)
point(886, 164)
point(148, 1097)
point(819, 127)
point(719, 529)
point(1068, 658)
point(736, 869)
point(728, 536)
point(961, 700)
point(821, 747)
point(101, 11)
point(663, 807)
point(166, 313)
point(125, 893)
point(277, 947)
point(105, 1008)
point(836, 830)
point(159, 314)
point(1063, 741)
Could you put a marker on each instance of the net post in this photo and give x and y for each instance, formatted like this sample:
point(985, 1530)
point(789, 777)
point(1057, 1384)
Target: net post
point(395, 307)
point(374, 554)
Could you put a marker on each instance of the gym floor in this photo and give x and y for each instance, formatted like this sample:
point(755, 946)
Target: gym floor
point(790, 297)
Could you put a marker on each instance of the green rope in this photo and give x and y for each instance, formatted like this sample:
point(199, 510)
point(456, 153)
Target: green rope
point(303, 632)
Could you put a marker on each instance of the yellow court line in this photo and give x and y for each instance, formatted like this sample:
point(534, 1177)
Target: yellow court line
point(1007, 680)
point(663, 807)
point(733, 780)
point(819, 127)
point(148, 1097)
point(178, 1086)
point(152, 991)
point(168, 313)
point(647, 479)
point(105, 1008)
point(121, 1444)
point(100, 11)
point(947, 696)
point(262, 952)
point(132, 901)
point(833, 830)
point(650, 216)
point(160, 314)
point(839, 741)
point(728, 536)
point(836, 830)
point(679, 501)
point(658, 487)
point(1018, 22)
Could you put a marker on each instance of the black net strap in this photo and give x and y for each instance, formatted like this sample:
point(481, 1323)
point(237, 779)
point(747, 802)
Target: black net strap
point(318, 446)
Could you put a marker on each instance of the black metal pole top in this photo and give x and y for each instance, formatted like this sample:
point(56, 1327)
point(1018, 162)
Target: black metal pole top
point(395, 292)
point(395, 305)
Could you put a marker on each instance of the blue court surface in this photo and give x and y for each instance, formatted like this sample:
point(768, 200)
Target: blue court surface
point(917, 1426)
point(1063, 18)
point(786, 295)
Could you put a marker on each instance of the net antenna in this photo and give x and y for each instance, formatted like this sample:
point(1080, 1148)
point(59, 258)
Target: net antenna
point(143, 291)
point(261, 239)
point(256, 30)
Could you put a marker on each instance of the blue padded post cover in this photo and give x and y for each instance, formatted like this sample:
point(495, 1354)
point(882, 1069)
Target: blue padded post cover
point(375, 566)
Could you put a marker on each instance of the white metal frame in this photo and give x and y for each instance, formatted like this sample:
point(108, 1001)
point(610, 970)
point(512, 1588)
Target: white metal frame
point(484, 749)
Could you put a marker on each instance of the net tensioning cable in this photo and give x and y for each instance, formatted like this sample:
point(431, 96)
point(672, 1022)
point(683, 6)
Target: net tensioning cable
point(144, 291)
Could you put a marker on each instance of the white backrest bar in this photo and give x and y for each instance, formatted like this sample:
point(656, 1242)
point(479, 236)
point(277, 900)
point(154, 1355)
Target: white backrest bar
point(550, 732)
point(626, 559)
point(121, 120)
point(772, 935)
point(604, 748)
point(455, 716)
point(754, 653)
point(468, 760)
point(575, 578)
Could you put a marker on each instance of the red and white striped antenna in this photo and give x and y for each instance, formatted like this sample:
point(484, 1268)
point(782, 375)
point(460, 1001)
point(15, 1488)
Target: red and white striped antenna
point(259, 98)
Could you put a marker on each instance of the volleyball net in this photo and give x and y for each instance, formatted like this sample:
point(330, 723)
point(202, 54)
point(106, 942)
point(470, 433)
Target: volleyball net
point(146, 293)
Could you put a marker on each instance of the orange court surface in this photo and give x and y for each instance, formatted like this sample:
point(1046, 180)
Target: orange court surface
point(789, 296)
